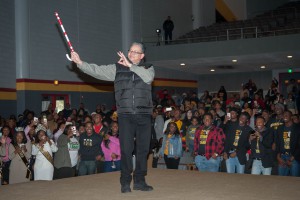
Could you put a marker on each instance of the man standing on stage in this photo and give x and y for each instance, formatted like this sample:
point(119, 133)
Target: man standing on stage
point(132, 82)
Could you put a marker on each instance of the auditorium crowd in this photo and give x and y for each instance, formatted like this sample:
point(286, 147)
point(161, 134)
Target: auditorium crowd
point(249, 131)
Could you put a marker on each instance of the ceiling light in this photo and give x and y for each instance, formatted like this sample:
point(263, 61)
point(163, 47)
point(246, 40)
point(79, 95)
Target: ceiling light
point(212, 70)
point(182, 64)
point(262, 67)
point(289, 56)
point(234, 61)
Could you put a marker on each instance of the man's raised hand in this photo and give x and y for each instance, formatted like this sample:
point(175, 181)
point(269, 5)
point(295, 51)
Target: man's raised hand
point(123, 60)
point(75, 58)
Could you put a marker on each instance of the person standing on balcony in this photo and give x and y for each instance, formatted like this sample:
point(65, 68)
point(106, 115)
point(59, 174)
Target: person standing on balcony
point(168, 29)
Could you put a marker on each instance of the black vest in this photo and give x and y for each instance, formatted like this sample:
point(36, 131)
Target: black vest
point(132, 94)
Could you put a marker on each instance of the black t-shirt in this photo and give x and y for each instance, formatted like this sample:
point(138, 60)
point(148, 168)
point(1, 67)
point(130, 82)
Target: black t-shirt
point(202, 141)
point(287, 138)
point(237, 135)
point(255, 148)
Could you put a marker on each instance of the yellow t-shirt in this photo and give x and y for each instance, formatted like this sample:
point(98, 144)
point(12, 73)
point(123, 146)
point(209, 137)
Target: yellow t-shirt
point(179, 124)
point(203, 136)
point(287, 139)
point(237, 137)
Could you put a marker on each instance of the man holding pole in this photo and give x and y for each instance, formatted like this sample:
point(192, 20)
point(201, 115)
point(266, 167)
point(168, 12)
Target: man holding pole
point(132, 82)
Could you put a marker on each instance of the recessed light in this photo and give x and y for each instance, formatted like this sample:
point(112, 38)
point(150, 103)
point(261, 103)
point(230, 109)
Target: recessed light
point(182, 64)
point(234, 61)
point(212, 70)
point(289, 56)
point(55, 82)
point(262, 67)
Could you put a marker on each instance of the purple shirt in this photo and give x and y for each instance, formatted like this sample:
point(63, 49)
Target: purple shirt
point(6, 157)
point(114, 147)
point(26, 130)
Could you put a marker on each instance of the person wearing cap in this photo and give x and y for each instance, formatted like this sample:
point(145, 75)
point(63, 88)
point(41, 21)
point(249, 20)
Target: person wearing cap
point(93, 114)
point(132, 79)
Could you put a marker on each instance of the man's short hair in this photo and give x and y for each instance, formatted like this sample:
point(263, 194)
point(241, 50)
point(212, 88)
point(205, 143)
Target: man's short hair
point(141, 45)
point(246, 114)
point(208, 114)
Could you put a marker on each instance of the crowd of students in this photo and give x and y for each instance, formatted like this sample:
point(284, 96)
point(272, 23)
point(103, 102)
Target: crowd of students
point(53, 147)
point(247, 132)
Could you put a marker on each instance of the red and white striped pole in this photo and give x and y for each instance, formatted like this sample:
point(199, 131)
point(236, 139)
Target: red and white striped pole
point(65, 34)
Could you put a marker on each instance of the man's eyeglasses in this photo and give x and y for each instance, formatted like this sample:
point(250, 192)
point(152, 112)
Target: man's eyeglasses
point(134, 52)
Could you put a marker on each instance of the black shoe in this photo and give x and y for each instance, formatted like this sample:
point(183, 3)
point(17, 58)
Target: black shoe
point(125, 189)
point(142, 187)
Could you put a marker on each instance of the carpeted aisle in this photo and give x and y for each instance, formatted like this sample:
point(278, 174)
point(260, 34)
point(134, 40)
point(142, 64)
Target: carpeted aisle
point(168, 184)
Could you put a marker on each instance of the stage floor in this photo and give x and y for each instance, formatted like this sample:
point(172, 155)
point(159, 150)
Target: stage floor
point(168, 184)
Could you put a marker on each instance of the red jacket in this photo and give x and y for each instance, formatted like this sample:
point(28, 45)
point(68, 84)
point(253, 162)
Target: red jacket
point(214, 143)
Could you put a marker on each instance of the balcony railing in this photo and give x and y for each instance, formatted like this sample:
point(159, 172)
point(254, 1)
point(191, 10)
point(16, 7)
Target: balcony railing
point(230, 34)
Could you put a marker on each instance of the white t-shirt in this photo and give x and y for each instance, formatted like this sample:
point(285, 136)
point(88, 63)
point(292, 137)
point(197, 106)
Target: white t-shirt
point(73, 147)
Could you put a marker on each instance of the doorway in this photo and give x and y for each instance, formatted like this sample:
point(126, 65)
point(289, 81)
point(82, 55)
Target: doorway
point(57, 101)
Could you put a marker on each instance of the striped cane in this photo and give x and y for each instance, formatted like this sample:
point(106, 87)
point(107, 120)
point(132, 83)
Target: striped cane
point(65, 34)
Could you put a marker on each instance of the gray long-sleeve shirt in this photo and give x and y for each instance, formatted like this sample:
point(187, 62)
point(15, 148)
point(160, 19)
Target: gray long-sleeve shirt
point(159, 126)
point(108, 72)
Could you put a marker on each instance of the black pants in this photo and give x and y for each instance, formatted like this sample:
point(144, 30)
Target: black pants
point(154, 162)
point(63, 172)
point(100, 166)
point(168, 36)
point(5, 172)
point(171, 163)
point(132, 126)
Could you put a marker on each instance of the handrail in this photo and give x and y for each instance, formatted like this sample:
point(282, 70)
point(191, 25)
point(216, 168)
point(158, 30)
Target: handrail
point(227, 36)
point(242, 31)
